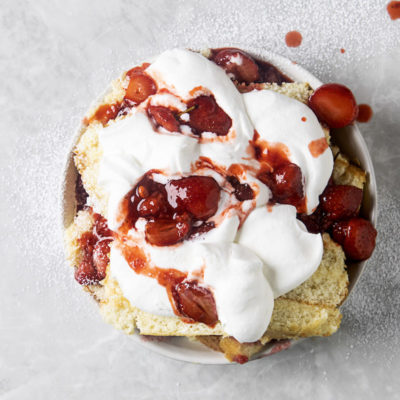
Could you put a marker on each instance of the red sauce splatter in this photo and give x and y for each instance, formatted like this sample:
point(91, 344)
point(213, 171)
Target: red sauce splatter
point(342, 51)
point(271, 154)
point(364, 113)
point(293, 39)
point(317, 147)
point(393, 8)
point(304, 119)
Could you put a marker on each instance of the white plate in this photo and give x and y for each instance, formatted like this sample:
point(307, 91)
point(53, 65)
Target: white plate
point(350, 141)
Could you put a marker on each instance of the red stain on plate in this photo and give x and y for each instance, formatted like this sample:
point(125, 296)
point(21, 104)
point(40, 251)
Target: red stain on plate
point(393, 8)
point(293, 39)
point(364, 113)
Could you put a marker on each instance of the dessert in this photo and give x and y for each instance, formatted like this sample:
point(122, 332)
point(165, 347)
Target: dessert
point(207, 199)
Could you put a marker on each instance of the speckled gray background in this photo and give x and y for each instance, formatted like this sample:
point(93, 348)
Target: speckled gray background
point(56, 56)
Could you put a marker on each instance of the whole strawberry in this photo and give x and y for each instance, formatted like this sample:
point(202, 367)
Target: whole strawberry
point(357, 236)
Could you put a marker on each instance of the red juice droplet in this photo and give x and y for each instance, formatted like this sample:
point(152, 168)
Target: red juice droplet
point(364, 113)
point(342, 50)
point(293, 39)
point(393, 8)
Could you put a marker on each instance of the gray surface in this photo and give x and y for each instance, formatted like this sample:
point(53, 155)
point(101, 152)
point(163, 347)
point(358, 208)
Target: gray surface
point(56, 56)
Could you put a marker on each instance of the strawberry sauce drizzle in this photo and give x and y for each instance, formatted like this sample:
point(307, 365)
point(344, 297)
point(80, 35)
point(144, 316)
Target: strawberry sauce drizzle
point(283, 177)
point(317, 147)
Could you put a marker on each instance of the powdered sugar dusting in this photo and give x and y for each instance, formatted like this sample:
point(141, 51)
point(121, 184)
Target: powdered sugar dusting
point(58, 56)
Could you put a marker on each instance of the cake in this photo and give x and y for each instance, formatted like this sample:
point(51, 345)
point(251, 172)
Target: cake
point(211, 203)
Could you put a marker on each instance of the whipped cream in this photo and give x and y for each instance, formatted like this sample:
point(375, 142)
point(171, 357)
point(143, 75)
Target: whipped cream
point(281, 119)
point(233, 273)
point(290, 253)
point(245, 268)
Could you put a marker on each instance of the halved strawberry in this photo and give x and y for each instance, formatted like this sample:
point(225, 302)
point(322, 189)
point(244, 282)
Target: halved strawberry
point(357, 236)
point(334, 104)
point(199, 195)
point(86, 273)
point(151, 205)
point(285, 183)
point(341, 201)
point(106, 112)
point(208, 116)
point(164, 117)
point(195, 302)
point(100, 258)
point(140, 87)
point(166, 232)
point(238, 64)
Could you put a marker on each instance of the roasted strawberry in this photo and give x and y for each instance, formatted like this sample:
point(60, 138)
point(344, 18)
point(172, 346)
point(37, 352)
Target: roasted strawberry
point(106, 112)
point(151, 205)
point(86, 273)
point(199, 195)
point(316, 222)
point(334, 104)
point(242, 191)
point(100, 226)
point(341, 201)
point(166, 232)
point(100, 258)
point(285, 183)
point(140, 87)
point(238, 64)
point(164, 117)
point(357, 236)
point(87, 242)
point(195, 302)
point(208, 116)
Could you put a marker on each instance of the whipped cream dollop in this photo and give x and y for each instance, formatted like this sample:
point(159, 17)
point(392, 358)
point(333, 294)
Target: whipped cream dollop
point(290, 254)
point(281, 119)
point(255, 252)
